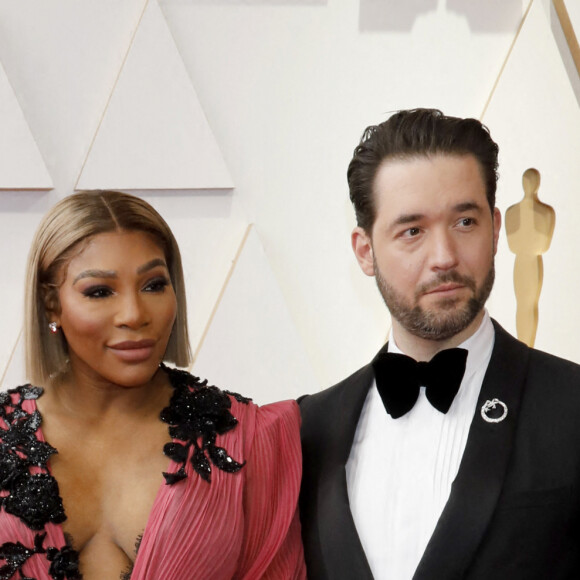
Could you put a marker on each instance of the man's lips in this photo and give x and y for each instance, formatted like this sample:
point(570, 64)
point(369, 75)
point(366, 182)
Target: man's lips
point(443, 288)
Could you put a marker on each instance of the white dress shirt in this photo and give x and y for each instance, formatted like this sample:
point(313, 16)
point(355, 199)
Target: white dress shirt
point(399, 472)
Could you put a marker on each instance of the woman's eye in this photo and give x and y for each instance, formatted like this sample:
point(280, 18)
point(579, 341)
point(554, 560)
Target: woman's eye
point(97, 292)
point(156, 285)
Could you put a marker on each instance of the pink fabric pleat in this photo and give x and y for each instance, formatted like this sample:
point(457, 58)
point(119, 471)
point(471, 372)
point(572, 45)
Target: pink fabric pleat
point(243, 525)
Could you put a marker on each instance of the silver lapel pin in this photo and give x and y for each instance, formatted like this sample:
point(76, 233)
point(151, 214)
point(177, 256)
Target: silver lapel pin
point(492, 405)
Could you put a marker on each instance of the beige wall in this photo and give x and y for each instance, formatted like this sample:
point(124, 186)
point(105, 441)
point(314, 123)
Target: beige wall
point(286, 87)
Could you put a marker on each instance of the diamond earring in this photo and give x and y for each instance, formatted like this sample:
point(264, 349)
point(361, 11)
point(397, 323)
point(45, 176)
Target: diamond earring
point(53, 327)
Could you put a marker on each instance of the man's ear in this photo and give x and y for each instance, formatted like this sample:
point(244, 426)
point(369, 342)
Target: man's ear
point(363, 250)
point(496, 228)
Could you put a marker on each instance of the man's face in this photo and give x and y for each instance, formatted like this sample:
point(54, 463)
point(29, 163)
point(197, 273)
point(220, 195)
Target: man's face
point(432, 245)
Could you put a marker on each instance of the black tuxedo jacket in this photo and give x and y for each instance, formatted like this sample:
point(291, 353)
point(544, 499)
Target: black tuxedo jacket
point(514, 508)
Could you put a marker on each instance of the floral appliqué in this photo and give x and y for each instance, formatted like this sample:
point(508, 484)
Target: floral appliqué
point(196, 415)
point(27, 490)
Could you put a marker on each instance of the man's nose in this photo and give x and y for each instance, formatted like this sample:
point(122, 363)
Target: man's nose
point(443, 250)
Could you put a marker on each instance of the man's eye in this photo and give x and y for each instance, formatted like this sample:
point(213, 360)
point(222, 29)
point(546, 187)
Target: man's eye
point(97, 292)
point(412, 232)
point(466, 222)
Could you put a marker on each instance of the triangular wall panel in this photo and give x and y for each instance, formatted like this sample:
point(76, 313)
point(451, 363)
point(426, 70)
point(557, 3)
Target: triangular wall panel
point(252, 345)
point(534, 117)
point(208, 245)
point(154, 134)
point(21, 165)
point(15, 374)
point(569, 15)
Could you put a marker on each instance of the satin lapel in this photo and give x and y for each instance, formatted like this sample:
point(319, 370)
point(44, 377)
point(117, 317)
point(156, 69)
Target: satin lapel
point(342, 551)
point(478, 484)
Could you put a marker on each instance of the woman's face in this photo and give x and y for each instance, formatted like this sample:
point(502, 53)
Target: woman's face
point(117, 309)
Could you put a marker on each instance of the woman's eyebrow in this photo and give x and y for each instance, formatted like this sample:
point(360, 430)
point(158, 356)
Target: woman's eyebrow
point(95, 274)
point(112, 274)
point(151, 264)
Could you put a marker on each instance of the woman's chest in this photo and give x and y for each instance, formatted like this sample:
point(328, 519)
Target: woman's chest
point(108, 490)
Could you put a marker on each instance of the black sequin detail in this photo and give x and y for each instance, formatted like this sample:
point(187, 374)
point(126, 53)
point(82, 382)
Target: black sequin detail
point(33, 498)
point(16, 554)
point(64, 563)
point(36, 501)
point(197, 414)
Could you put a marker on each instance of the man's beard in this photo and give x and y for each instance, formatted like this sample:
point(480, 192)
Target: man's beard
point(447, 318)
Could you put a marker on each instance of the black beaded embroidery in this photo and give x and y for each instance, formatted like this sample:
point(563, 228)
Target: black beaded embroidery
point(64, 563)
point(16, 554)
point(197, 414)
point(33, 498)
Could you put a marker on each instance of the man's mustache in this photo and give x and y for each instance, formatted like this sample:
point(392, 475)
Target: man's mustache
point(445, 278)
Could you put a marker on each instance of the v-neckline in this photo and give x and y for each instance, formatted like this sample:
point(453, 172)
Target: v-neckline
point(198, 414)
point(172, 468)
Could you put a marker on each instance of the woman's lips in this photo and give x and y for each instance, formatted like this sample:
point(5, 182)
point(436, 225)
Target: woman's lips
point(133, 351)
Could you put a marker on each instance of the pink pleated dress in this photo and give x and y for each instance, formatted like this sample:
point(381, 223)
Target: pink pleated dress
point(228, 508)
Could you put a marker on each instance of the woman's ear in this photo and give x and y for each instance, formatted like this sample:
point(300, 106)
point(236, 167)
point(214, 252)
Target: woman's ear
point(51, 303)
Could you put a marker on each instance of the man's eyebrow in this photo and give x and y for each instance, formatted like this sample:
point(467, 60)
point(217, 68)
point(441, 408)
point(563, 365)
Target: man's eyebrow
point(467, 206)
point(152, 264)
point(95, 274)
point(407, 218)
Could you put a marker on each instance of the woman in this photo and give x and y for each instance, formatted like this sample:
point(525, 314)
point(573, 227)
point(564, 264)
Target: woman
point(121, 467)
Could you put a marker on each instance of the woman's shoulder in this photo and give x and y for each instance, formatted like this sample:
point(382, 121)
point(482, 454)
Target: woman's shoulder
point(202, 391)
point(20, 394)
point(195, 394)
point(18, 406)
point(229, 412)
point(285, 413)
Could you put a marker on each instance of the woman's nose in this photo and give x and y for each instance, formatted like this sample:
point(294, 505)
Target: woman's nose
point(132, 311)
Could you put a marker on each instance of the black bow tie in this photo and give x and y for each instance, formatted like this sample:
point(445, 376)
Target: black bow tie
point(399, 378)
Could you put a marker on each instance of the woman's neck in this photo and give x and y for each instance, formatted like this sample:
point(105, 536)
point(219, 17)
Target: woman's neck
point(90, 399)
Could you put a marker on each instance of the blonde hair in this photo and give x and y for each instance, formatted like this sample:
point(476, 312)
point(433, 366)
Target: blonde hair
point(70, 223)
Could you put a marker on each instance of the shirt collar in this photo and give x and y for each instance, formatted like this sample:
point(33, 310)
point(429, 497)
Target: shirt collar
point(479, 345)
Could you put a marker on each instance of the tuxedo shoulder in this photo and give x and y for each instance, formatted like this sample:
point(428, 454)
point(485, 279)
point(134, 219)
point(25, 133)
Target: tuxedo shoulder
point(359, 381)
point(541, 367)
point(553, 372)
point(553, 362)
point(334, 412)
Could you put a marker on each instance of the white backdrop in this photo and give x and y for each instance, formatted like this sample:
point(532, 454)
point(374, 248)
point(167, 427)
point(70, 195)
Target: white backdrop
point(227, 113)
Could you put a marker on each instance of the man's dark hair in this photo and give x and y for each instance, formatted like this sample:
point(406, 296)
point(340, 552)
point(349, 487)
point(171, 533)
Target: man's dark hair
point(417, 133)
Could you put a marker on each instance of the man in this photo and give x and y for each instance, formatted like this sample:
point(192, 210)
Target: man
point(402, 479)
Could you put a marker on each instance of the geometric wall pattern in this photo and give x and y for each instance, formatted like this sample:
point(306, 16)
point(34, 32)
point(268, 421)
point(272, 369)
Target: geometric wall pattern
point(534, 116)
point(21, 165)
point(238, 350)
point(153, 133)
point(569, 15)
point(14, 373)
